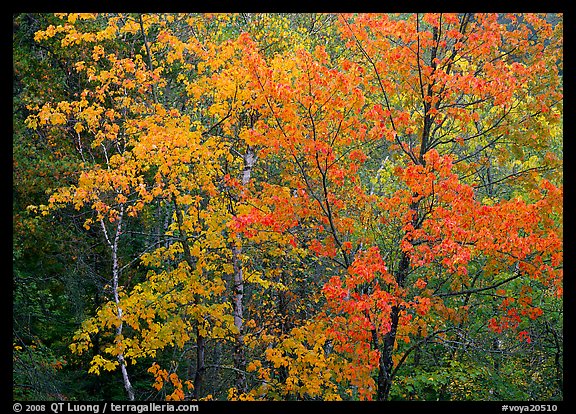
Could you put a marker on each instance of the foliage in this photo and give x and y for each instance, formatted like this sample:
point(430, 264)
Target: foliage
point(293, 206)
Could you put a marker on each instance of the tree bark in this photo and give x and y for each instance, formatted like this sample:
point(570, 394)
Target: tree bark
point(238, 311)
point(238, 286)
point(385, 363)
point(200, 365)
point(200, 341)
point(113, 244)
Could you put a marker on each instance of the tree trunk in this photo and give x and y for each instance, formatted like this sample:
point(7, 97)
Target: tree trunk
point(200, 342)
point(238, 286)
point(200, 366)
point(385, 363)
point(113, 244)
point(237, 304)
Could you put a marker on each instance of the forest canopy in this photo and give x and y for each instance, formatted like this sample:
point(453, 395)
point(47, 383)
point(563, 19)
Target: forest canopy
point(289, 206)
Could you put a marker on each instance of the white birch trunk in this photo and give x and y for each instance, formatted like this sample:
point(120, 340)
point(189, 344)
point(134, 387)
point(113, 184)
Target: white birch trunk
point(113, 244)
point(238, 288)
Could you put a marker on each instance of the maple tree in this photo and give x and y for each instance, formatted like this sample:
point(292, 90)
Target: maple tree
point(317, 200)
point(417, 100)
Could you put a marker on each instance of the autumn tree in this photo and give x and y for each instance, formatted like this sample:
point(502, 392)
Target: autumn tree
point(313, 206)
point(418, 147)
